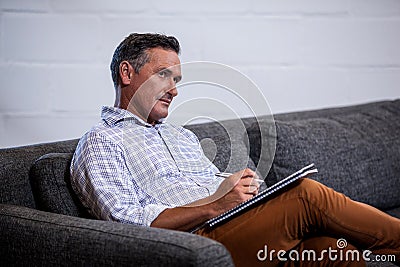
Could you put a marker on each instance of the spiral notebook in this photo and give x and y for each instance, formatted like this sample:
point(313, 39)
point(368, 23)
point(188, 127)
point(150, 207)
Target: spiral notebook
point(307, 170)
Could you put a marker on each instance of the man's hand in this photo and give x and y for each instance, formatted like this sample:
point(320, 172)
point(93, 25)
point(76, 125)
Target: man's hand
point(234, 190)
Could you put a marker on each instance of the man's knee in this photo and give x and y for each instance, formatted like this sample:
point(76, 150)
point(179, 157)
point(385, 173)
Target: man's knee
point(310, 186)
point(311, 189)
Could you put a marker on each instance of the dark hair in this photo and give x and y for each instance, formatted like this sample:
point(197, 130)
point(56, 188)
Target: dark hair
point(134, 50)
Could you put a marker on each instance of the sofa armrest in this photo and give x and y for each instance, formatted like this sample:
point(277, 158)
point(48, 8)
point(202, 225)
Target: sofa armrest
point(33, 237)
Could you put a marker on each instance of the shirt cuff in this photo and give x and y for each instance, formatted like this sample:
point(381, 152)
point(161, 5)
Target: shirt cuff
point(151, 212)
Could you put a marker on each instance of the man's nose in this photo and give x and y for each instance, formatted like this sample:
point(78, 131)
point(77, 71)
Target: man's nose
point(173, 91)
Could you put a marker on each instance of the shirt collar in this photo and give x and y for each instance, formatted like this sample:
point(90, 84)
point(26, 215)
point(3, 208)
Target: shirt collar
point(114, 115)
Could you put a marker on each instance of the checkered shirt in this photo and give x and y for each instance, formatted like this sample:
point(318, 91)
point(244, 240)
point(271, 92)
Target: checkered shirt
point(127, 170)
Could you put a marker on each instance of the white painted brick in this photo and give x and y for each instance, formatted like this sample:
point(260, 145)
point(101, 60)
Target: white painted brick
point(29, 129)
point(95, 6)
point(293, 89)
point(295, 7)
point(54, 38)
point(373, 84)
point(188, 33)
point(351, 42)
point(267, 41)
point(24, 5)
point(81, 88)
point(24, 88)
point(204, 8)
point(1, 38)
point(297, 89)
point(375, 8)
point(303, 54)
point(216, 102)
point(2, 132)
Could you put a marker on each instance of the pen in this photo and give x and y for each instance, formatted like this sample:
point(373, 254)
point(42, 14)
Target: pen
point(227, 174)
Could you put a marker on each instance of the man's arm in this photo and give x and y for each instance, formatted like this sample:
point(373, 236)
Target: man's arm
point(237, 188)
point(100, 178)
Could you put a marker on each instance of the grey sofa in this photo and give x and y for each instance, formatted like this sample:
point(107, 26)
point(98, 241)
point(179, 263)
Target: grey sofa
point(356, 149)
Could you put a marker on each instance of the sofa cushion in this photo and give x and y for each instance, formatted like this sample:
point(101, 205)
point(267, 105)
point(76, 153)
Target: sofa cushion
point(34, 238)
point(224, 145)
point(357, 153)
point(50, 181)
point(15, 164)
point(228, 155)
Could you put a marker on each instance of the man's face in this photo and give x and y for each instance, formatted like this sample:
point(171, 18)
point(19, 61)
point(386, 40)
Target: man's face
point(154, 87)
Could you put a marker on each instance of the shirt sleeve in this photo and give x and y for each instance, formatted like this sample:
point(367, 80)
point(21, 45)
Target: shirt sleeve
point(102, 182)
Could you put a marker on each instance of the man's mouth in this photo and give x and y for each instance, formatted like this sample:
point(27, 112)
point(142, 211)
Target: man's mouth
point(167, 98)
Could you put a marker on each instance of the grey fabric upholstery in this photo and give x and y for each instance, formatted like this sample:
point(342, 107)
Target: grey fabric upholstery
point(356, 152)
point(37, 238)
point(14, 168)
point(50, 180)
point(223, 144)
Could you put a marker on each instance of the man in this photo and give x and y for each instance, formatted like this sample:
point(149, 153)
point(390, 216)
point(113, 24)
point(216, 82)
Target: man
point(134, 168)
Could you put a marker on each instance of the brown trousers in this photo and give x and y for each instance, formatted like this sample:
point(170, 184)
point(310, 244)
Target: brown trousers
point(308, 216)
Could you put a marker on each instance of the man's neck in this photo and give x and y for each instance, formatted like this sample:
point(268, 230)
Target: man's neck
point(134, 111)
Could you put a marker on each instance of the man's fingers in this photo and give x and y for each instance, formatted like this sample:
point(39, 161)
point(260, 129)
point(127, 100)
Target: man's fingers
point(248, 173)
point(249, 182)
point(248, 186)
point(253, 189)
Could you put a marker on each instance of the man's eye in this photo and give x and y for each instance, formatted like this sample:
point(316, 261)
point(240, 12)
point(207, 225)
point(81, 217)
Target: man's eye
point(162, 74)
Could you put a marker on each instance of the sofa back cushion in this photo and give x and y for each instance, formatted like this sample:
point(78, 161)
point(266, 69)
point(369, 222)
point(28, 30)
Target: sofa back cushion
point(357, 152)
point(223, 143)
point(52, 191)
point(15, 164)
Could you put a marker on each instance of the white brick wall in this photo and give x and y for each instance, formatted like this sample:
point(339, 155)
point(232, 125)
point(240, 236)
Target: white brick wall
point(55, 54)
point(24, 88)
point(94, 89)
point(49, 38)
point(24, 5)
point(49, 127)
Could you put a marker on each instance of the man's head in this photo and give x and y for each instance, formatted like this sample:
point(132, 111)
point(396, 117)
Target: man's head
point(134, 50)
point(145, 69)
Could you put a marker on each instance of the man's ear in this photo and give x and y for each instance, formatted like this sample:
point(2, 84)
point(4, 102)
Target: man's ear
point(125, 72)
